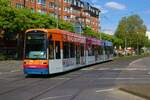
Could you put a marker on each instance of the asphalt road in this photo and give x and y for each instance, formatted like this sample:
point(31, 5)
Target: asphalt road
point(97, 82)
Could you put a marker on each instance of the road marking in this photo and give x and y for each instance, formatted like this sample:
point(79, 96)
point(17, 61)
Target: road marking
point(17, 70)
point(135, 62)
point(130, 69)
point(55, 97)
point(105, 90)
point(87, 69)
point(103, 69)
point(124, 78)
point(63, 78)
point(119, 69)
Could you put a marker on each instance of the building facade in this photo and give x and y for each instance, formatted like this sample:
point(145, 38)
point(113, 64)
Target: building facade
point(76, 11)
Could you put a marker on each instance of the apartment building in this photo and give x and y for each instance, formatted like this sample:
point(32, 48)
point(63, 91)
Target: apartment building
point(70, 10)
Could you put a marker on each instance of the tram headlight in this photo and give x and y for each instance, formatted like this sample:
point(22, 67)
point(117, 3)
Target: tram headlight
point(25, 62)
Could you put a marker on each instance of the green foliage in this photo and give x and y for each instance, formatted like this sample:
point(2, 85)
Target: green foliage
point(65, 26)
point(116, 41)
point(133, 30)
point(14, 22)
point(2, 57)
point(147, 43)
point(87, 31)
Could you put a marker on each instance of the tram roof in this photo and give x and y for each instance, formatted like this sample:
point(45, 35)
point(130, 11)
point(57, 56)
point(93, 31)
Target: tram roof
point(108, 43)
point(94, 41)
point(65, 33)
point(58, 31)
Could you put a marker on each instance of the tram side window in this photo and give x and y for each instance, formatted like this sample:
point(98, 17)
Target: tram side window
point(57, 49)
point(89, 50)
point(93, 50)
point(96, 50)
point(111, 50)
point(107, 50)
point(82, 50)
point(72, 50)
point(66, 48)
point(100, 50)
point(51, 50)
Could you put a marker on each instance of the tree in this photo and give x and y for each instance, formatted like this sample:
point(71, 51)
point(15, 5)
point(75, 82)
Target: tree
point(115, 40)
point(88, 31)
point(14, 22)
point(132, 31)
point(64, 25)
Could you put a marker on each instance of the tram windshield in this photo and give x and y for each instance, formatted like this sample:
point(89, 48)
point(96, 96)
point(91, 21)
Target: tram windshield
point(35, 45)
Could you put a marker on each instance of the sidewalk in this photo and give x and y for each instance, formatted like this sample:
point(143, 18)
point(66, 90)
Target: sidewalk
point(10, 66)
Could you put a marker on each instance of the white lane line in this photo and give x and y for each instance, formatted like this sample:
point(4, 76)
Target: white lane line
point(130, 69)
point(17, 70)
point(105, 90)
point(55, 97)
point(135, 62)
point(119, 69)
point(60, 78)
point(103, 69)
point(87, 69)
point(124, 78)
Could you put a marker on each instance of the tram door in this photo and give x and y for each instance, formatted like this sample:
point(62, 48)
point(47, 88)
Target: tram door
point(78, 54)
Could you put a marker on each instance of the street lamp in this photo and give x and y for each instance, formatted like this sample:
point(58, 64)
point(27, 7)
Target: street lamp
point(24, 3)
point(137, 44)
point(78, 25)
point(126, 32)
point(56, 8)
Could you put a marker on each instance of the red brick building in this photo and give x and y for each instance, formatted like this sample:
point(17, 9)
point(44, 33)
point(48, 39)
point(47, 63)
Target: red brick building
point(70, 10)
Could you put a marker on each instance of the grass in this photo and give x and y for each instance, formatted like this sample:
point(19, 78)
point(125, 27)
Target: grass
point(138, 90)
point(2, 57)
point(6, 57)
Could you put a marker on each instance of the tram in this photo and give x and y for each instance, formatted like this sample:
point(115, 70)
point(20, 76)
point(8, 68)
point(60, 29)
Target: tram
point(49, 51)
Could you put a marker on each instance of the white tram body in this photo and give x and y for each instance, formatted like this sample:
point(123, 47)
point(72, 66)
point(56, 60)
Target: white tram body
point(49, 51)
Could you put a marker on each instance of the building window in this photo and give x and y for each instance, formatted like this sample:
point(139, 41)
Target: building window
point(52, 14)
point(43, 2)
point(51, 5)
point(32, 1)
point(41, 11)
point(65, 0)
point(66, 17)
point(32, 10)
point(68, 1)
point(67, 9)
point(18, 5)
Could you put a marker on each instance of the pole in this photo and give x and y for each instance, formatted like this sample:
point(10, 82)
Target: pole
point(24, 3)
point(125, 45)
point(56, 8)
point(137, 47)
point(137, 44)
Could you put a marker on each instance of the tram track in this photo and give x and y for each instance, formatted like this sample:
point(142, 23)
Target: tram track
point(60, 84)
point(51, 88)
point(11, 90)
point(35, 83)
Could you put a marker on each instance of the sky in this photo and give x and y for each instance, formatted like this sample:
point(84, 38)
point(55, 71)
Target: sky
point(113, 10)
